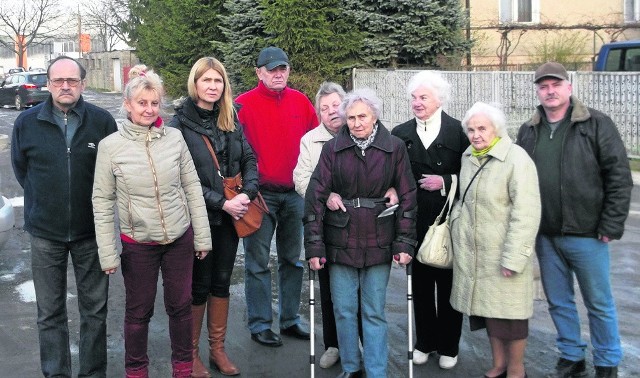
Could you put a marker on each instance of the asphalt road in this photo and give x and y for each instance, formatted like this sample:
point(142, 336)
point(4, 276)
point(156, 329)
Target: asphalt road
point(19, 352)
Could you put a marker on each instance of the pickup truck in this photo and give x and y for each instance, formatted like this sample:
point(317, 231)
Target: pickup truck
point(618, 56)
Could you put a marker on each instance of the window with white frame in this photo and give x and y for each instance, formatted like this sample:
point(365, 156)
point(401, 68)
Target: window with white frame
point(521, 11)
point(631, 10)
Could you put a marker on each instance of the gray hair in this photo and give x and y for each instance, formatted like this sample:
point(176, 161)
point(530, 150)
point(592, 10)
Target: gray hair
point(433, 81)
point(327, 88)
point(367, 96)
point(492, 111)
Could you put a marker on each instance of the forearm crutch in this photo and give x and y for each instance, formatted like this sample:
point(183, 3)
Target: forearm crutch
point(312, 338)
point(410, 318)
point(312, 303)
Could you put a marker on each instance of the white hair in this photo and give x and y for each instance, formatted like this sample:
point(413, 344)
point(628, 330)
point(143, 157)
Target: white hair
point(492, 111)
point(433, 81)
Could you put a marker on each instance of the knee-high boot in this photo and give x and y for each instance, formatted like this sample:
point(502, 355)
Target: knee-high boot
point(217, 314)
point(199, 370)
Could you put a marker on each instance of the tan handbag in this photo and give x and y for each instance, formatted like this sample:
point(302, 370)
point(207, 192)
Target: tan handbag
point(436, 249)
point(252, 219)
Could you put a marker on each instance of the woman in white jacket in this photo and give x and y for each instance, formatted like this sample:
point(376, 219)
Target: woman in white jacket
point(493, 228)
point(146, 171)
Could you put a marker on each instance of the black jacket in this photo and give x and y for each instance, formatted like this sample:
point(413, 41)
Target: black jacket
point(441, 158)
point(358, 238)
point(232, 150)
point(595, 175)
point(57, 180)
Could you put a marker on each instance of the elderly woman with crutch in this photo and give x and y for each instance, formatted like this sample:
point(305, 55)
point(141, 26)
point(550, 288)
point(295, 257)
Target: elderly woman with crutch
point(359, 240)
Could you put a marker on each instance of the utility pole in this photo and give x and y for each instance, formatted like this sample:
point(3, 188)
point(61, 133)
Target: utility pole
point(79, 33)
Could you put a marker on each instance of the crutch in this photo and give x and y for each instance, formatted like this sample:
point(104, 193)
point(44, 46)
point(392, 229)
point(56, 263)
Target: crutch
point(312, 303)
point(410, 318)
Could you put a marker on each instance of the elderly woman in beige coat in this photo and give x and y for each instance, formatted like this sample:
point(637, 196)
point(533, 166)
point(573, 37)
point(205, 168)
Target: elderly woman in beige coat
point(493, 228)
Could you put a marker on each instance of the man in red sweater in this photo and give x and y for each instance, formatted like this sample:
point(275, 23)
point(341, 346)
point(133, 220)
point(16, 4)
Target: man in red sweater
point(275, 117)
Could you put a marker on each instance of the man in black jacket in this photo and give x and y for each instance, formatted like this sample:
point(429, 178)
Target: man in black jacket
point(53, 153)
point(585, 188)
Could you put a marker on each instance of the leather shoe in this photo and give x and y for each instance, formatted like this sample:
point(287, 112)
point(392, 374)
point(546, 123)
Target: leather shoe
point(569, 369)
point(355, 374)
point(606, 371)
point(267, 338)
point(296, 331)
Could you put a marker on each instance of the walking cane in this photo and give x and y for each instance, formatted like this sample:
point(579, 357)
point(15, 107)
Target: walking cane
point(312, 303)
point(409, 316)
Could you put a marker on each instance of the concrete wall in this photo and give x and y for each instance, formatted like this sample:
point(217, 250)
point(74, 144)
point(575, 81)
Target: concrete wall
point(101, 69)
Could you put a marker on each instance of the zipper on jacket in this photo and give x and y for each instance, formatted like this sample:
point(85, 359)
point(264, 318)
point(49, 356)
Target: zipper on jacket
point(155, 183)
point(69, 175)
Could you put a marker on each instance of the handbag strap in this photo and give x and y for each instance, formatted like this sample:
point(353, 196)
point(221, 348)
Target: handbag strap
point(474, 177)
point(213, 154)
point(449, 201)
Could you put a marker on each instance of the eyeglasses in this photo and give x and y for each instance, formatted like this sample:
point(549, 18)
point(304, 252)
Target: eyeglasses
point(59, 82)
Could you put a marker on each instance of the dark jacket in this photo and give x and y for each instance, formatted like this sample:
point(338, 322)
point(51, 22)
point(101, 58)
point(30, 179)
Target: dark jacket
point(57, 179)
point(359, 238)
point(441, 158)
point(595, 175)
point(232, 150)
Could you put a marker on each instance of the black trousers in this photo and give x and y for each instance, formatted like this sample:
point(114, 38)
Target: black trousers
point(212, 275)
point(438, 325)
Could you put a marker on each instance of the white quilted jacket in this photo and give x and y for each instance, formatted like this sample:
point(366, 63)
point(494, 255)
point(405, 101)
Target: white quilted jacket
point(149, 175)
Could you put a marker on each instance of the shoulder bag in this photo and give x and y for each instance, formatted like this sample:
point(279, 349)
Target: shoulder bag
point(252, 219)
point(436, 249)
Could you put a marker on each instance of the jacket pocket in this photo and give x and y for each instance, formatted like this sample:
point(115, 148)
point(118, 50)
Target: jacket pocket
point(385, 230)
point(336, 230)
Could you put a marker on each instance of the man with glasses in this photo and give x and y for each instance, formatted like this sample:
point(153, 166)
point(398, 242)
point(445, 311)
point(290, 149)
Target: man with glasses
point(53, 153)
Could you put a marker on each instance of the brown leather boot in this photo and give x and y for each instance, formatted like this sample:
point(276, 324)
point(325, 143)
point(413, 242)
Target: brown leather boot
point(217, 314)
point(198, 370)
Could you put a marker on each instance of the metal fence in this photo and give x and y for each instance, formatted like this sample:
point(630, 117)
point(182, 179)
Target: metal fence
point(616, 94)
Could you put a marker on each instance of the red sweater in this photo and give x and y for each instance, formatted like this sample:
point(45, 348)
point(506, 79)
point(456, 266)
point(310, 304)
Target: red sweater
point(274, 123)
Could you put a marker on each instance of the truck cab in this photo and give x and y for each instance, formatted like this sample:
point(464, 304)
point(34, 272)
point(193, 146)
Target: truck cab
point(619, 56)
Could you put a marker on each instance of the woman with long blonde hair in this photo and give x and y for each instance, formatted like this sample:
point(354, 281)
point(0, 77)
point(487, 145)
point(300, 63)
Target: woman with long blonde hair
point(207, 118)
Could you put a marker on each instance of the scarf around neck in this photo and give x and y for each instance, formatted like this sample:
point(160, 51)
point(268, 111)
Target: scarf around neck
point(364, 143)
point(484, 151)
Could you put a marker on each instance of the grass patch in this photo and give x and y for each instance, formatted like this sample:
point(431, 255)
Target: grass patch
point(635, 164)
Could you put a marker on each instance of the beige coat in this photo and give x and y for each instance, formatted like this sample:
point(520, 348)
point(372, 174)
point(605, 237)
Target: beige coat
point(149, 175)
point(310, 149)
point(496, 227)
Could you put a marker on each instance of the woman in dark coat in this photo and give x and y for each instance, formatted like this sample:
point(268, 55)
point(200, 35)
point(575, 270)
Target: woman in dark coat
point(435, 143)
point(355, 170)
point(209, 112)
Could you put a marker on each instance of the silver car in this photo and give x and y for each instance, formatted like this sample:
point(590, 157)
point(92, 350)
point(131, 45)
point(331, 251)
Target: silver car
point(7, 220)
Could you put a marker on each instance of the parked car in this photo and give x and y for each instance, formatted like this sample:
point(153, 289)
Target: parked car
point(618, 56)
point(15, 70)
point(24, 89)
point(7, 220)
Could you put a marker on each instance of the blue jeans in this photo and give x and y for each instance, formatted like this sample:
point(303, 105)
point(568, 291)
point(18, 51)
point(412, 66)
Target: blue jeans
point(560, 258)
point(285, 219)
point(372, 282)
point(49, 266)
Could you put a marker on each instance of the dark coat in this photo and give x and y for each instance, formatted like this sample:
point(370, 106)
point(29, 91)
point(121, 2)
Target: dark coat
point(594, 171)
point(441, 158)
point(58, 179)
point(232, 150)
point(358, 238)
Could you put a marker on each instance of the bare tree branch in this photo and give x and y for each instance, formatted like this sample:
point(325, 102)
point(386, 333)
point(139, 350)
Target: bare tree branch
point(104, 18)
point(27, 22)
